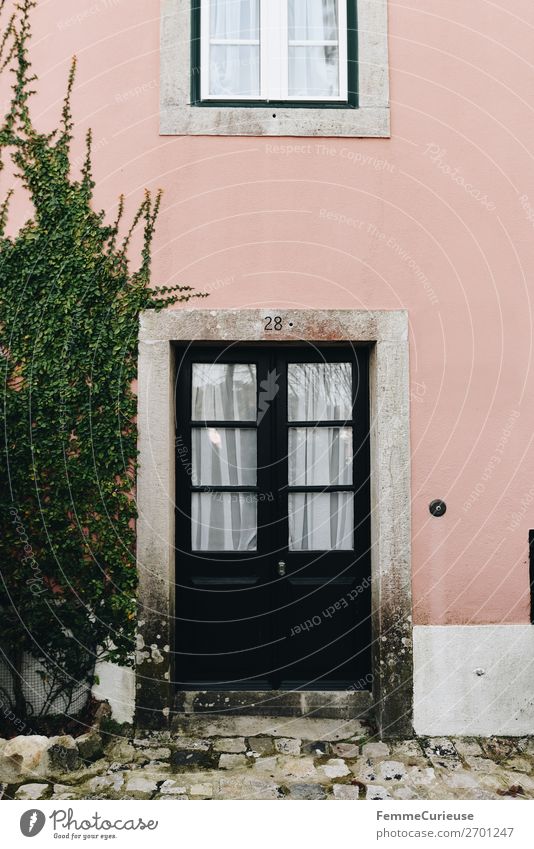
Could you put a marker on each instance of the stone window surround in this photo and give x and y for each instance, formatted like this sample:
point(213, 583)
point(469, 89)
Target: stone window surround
point(179, 117)
point(387, 333)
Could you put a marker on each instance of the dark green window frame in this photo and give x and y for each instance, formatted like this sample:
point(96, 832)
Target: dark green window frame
point(352, 71)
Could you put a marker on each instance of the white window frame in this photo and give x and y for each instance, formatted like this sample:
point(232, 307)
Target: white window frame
point(274, 46)
point(181, 115)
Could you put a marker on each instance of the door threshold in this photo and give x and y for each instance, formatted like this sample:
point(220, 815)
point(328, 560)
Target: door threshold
point(320, 704)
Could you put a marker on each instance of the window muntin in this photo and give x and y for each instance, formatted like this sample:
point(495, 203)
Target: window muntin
point(274, 50)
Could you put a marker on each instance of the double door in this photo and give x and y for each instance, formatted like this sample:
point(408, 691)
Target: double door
point(272, 518)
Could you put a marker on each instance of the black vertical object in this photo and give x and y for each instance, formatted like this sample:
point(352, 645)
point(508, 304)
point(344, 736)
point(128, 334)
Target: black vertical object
point(241, 624)
point(531, 573)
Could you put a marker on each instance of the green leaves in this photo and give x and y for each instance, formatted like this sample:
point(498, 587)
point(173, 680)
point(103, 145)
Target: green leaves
point(69, 309)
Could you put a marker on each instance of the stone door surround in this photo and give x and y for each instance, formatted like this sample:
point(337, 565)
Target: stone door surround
point(387, 334)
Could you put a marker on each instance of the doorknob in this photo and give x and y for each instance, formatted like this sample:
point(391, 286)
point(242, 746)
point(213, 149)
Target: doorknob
point(281, 568)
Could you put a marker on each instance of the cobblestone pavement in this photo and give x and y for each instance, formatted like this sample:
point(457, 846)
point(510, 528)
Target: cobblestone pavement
point(268, 758)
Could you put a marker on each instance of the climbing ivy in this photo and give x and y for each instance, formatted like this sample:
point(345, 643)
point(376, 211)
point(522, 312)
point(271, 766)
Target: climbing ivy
point(69, 309)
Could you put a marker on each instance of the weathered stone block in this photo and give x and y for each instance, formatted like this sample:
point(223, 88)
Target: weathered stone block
point(63, 754)
point(377, 792)
point(346, 791)
point(140, 786)
point(345, 750)
point(33, 791)
point(306, 791)
point(233, 745)
point(232, 761)
point(261, 745)
point(287, 745)
point(90, 745)
point(335, 768)
point(375, 751)
point(182, 760)
point(23, 756)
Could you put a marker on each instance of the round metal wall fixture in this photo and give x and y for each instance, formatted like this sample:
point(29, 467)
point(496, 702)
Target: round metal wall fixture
point(437, 507)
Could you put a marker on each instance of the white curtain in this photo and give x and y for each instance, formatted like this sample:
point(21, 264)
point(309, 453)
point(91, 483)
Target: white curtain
point(223, 456)
point(313, 69)
point(224, 391)
point(321, 521)
point(234, 67)
point(223, 521)
point(319, 391)
point(320, 456)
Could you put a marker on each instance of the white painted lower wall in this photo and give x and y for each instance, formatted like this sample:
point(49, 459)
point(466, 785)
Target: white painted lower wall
point(474, 679)
point(468, 680)
point(116, 684)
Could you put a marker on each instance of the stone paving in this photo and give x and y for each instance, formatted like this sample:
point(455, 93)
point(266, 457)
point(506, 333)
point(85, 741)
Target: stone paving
point(265, 758)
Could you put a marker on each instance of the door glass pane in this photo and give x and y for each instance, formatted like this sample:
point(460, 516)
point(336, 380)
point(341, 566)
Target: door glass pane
point(320, 456)
point(319, 391)
point(223, 521)
point(321, 521)
point(224, 456)
point(224, 391)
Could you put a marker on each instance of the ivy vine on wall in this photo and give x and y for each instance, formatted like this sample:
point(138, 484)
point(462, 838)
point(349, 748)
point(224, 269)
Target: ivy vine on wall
point(69, 309)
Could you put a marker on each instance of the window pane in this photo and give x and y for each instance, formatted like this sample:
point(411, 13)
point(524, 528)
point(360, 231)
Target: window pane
point(312, 20)
point(224, 392)
point(235, 70)
point(224, 457)
point(234, 19)
point(313, 71)
point(320, 456)
point(321, 521)
point(223, 521)
point(319, 391)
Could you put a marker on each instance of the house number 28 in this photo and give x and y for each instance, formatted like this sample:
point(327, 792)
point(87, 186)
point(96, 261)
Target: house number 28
point(275, 322)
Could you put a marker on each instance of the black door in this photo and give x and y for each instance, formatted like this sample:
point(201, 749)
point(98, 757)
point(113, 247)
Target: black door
point(272, 518)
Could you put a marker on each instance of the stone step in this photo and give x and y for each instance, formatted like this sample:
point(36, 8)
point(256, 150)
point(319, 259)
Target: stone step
point(302, 728)
point(326, 704)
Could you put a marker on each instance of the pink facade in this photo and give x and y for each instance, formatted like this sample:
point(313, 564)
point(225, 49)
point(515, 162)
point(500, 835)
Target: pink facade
point(437, 220)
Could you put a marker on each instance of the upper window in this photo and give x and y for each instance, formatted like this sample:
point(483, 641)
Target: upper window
point(274, 68)
point(275, 50)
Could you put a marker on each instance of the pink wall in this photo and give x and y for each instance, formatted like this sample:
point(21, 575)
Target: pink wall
point(242, 218)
